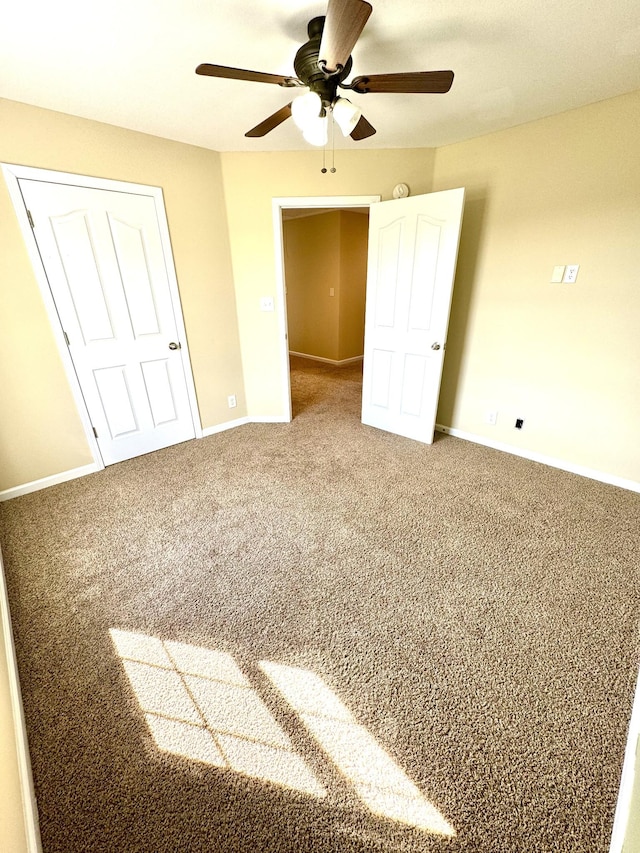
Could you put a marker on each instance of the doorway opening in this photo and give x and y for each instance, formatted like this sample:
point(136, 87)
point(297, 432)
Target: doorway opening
point(321, 251)
point(325, 254)
point(411, 264)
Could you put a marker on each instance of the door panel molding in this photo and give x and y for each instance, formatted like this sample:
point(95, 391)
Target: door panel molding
point(413, 248)
point(13, 174)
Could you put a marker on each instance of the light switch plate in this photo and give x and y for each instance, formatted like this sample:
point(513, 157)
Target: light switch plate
point(557, 275)
point(571, 273)
point(266, 303)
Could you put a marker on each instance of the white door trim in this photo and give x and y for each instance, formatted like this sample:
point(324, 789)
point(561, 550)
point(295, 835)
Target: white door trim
point(278, 205)
point(12, 174)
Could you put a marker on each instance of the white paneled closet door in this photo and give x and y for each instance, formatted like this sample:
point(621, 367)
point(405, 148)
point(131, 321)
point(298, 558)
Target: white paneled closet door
point(104, 260)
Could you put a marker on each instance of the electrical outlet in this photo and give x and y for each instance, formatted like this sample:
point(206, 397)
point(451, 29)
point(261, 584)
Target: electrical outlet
point(231, 399)
point(492, 418)
point(571, 273)
point(519, 423)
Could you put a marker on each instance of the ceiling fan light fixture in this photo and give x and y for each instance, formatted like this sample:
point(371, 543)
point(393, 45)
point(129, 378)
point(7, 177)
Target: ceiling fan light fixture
point(346, 114)
point(322, 64)
point(306, 109)
point(316, 131)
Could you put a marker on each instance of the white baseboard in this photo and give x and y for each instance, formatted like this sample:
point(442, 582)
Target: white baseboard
point(260, 419)
point(225, 426)
point(29, 806)
point(553, 462)
point(338, 363)
point(629, 771)
point(592, 474)
point(74, 473)
point(53, 480)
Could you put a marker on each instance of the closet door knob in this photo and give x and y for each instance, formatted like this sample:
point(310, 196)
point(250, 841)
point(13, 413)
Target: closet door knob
point(174, 345)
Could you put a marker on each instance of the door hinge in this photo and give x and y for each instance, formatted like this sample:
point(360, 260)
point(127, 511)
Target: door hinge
point(30, 218)
point(95, 431)
point(66, 338)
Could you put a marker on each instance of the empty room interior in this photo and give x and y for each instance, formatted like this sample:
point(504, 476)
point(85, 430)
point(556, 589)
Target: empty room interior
point(291, 623)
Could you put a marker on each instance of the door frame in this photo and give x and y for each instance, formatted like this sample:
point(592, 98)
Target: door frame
point(12, 174)
point(277, 206)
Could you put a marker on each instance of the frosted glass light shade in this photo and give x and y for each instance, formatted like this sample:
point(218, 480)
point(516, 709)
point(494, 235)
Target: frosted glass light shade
point(316, 131)
point(346, 114)
point(305, 109)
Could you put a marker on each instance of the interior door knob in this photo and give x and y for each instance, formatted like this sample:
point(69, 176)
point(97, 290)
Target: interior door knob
point(435, 345)
point(174, 345)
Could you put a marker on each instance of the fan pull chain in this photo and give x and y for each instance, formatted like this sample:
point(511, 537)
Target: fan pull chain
point(333, 147)
point(333, 150)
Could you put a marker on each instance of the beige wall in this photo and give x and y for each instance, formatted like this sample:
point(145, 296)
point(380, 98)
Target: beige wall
point(40, 433)
point(566, 358)
point(250, 182)
point(312, 266)
point(13, 838)
point(354, 233)
point(322, 252)
point(632, 837)
point(561, 190)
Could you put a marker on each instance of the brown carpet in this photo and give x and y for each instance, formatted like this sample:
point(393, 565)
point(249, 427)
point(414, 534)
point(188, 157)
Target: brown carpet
point(318, 636)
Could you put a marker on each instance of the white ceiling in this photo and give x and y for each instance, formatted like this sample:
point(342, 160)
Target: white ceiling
point(131, 63)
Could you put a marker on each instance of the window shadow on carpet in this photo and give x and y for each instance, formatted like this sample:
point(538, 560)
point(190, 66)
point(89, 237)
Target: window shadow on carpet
point(199, 705)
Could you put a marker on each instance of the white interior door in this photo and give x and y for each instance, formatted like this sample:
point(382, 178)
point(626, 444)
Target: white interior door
point(413, 248)
point(104, 260)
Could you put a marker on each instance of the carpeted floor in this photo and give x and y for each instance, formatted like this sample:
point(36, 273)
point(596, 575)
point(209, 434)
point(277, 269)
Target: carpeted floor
point(317, 636)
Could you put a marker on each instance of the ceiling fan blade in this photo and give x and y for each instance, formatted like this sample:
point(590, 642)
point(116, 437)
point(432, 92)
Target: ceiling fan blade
point(242, 74)
point(426, 82)
point(269, 123)
point(362, 130)
point(344, 22)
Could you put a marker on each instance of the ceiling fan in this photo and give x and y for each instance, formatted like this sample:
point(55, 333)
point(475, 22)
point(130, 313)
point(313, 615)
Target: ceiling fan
point(321, 65)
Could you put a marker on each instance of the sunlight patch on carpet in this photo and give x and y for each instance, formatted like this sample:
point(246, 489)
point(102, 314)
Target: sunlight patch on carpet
point(199, 705)
point(381, 785)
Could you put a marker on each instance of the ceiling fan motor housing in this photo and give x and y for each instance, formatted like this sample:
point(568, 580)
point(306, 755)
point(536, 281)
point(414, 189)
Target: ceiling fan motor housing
point(308, 70)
